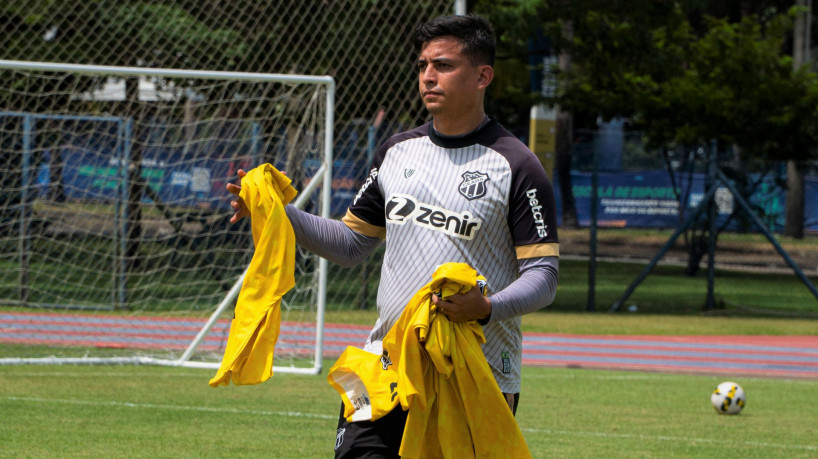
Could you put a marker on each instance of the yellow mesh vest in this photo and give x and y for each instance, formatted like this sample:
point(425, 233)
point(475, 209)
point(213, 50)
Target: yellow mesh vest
point(439, 372)
point(248, 357)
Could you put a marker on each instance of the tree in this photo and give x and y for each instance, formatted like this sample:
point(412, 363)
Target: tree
point(686, 77)
point(729, 82)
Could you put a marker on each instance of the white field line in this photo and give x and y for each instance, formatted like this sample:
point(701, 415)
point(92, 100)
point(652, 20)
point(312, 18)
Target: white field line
point(328, 417)
point(649, 376)
point(151, 406)
point(205, 375)
point(755, 444)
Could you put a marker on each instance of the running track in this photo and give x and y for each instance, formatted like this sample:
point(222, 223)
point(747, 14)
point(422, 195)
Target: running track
point(769, 356)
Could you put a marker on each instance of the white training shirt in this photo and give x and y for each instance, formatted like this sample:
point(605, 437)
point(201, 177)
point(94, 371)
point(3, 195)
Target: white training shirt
point(482, 199)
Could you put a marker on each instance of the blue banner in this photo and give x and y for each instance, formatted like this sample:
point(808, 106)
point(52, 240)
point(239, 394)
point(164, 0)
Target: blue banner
point(650, 199)
point(96, 176)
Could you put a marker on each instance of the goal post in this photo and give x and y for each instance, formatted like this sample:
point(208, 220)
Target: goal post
point(113, 213)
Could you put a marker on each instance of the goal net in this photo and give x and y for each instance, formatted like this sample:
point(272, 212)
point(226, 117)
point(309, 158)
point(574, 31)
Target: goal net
point(115, 240)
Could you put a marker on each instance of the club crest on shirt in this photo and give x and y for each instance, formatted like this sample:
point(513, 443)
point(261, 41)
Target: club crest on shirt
point(473, 185)
point(385, 360)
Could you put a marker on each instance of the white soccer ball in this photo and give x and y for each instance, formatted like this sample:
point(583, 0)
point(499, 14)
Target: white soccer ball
point(728, 398)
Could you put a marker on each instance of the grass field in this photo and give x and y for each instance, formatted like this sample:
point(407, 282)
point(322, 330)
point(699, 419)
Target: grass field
point(553, 321)
point(179, 283)
point(668, 290)
point(72, 411)
point(132, 411)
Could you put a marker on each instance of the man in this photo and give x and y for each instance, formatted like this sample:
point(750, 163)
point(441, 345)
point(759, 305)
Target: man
point(458, 189)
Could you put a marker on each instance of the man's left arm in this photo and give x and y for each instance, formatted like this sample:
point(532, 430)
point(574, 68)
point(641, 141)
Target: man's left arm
point(533, 290)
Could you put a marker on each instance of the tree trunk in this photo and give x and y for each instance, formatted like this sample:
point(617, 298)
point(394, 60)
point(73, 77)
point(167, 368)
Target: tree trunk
point(563, 150)
point(794, 224)
point(794, 210)
point(563, 143)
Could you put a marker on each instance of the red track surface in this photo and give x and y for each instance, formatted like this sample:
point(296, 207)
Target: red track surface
point(773, 356)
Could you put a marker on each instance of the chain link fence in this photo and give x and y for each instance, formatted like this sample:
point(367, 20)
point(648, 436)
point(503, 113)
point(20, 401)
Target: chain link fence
point(646, 214)
point(365, 45)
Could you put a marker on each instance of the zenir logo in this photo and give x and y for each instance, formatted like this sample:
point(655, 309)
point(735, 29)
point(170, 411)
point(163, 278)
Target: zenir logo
point(402, 208)
point(399, 208)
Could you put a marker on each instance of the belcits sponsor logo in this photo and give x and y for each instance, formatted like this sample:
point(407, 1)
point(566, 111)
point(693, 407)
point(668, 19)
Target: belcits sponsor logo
point(536, 212)
point(373, 174)
point(403, 208)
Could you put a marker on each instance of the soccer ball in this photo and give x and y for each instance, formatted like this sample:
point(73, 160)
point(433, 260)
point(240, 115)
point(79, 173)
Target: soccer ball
point(728, 398)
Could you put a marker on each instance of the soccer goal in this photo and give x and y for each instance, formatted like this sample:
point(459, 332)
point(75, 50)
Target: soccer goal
point(115, 241)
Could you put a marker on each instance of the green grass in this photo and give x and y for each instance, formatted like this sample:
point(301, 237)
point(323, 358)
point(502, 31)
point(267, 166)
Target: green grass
point(79, 411)
point(552, 321)
point(668, 289)
point(167, 281)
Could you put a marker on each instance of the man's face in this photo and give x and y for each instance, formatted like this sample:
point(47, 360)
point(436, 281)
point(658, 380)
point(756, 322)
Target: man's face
point(450, 84)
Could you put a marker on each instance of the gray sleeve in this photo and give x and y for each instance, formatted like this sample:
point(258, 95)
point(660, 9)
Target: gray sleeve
point(330, 239)
point(533, 290)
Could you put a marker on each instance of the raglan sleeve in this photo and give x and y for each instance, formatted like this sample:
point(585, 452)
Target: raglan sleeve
point(366, 214)
point(532, 211)
point(533, 224)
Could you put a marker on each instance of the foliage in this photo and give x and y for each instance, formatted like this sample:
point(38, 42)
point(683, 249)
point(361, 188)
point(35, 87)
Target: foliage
point(342, 38)
point(509, 97)
point(684, 72)
point(688, 81)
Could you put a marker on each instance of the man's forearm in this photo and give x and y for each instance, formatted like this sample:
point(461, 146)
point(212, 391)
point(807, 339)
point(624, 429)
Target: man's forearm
point(533, 290)
point(330, 239)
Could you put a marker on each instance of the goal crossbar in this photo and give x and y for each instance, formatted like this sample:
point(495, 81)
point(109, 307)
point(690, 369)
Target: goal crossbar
point(85, 69)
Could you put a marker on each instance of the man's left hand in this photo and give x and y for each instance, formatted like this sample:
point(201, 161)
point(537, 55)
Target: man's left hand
point(462, 307)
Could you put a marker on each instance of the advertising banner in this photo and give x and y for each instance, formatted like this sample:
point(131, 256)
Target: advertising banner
point(200, 183)
point(650, 199)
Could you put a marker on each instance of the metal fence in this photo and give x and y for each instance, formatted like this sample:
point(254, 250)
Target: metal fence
point(640, 187)
point(690, 196)
point(364, 45)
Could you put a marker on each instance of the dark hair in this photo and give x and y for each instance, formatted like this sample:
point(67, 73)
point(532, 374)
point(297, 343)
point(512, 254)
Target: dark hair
point(474, 32)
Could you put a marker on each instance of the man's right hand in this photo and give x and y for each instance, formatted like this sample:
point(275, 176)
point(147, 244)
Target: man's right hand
point(239, 208)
